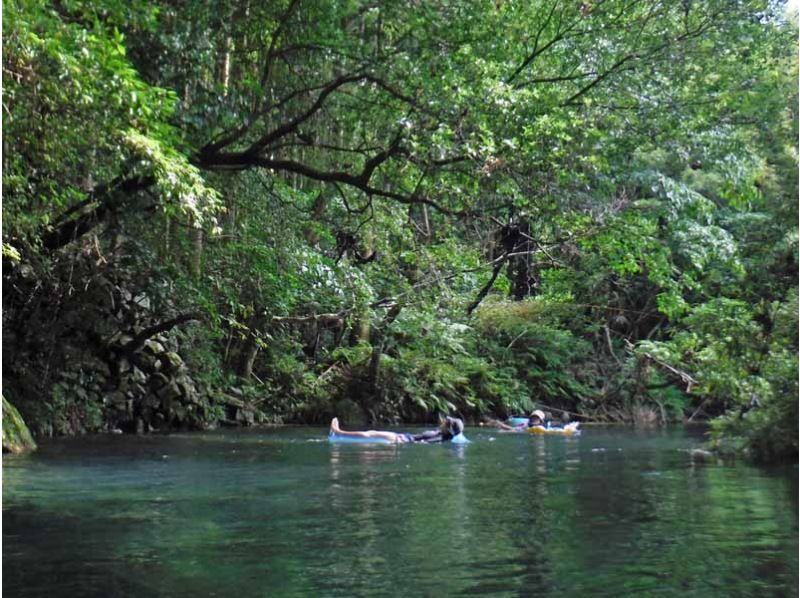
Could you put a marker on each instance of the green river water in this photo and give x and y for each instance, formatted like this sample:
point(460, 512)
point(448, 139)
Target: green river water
point(282, 512)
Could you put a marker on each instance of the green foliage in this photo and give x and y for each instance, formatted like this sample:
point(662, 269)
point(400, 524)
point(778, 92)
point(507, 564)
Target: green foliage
point(178, 182)
point(768, 431)
point(67, 413)
point(310, 167)
point(529, 338)
point(744, 370)
point(766, 421)
point(71, 98)
point(10, 252)
point(429, 367)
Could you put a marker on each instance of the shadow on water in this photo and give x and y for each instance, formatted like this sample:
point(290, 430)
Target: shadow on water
point(283, 513)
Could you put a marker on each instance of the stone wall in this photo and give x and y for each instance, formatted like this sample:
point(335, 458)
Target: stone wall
point(79, 355)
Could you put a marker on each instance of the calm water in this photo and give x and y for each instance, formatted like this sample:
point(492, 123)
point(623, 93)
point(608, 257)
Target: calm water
point(281, 513)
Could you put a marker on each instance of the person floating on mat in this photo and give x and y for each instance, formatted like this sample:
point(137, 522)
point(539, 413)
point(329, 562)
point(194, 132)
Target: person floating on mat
point(536, 418)
point(450, 428)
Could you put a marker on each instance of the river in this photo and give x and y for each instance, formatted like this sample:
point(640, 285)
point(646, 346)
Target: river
point(281, 512)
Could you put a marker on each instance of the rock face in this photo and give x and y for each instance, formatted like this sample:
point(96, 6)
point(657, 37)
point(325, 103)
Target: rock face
point(151, 389)
point(97, 357)
point(16, 436)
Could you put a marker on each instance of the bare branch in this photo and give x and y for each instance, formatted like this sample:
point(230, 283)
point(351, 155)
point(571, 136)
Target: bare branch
point(282, 21)
point(536, 51)
point(108, 197)
point(138, 341)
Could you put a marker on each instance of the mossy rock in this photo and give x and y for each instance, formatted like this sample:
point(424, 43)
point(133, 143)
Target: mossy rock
point(16, 436)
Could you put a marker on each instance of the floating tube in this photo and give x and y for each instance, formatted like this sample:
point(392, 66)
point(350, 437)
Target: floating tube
point(338, 438)
point(357, 439)
point(517, 421)
point(568, 430)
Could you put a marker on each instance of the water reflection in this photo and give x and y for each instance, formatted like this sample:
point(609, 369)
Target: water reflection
point(610, 513)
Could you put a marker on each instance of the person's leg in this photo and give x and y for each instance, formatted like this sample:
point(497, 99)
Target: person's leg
point(390, 436)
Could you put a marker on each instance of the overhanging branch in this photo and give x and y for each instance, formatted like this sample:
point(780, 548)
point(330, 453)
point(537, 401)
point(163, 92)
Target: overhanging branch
point(108, 198)
point(138, 341)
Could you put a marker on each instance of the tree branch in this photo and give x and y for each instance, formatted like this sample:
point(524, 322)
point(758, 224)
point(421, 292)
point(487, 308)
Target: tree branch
point(138, 341)
point(488, 286)
point(108, 198)
point(208, 152)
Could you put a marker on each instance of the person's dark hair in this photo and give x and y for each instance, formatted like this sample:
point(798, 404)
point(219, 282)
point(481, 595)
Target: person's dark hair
point(454, 425)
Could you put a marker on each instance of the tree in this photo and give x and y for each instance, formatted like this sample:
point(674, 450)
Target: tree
point(569, 181)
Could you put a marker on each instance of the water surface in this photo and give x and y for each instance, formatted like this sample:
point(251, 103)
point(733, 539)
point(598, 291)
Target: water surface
point(281, 512)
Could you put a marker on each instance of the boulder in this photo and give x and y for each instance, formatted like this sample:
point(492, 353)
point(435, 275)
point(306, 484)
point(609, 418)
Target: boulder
point(701, 455)
point(168, 393)
point(158, 380)
point(146, 362)
point(245, 416)
point(186, 386)
point(170, 361)
point(138, 376)
point(153, 347)
point(229, 400)
point(142, 301)
point(16, 436)
point(123, 366)
point(180, 413)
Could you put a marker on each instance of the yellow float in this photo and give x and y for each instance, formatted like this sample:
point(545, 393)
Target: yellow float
point(571, 429)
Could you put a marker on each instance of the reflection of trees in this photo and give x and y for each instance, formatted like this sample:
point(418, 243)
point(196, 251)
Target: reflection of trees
point(519, 516)
point(733, 530)
point(410, 515)
point(512, 526)
point(359, 496)
point(651, 519)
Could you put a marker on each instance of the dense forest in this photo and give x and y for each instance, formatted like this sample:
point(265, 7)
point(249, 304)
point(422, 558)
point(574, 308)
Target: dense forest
point(235, 212)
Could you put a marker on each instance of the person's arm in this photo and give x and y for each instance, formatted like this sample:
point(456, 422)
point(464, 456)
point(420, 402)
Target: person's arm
point(430, 436)
point(495, 423)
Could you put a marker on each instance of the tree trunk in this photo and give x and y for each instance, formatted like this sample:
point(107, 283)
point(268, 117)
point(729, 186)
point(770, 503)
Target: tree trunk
point(225, 63)
point(359, 331)
point(378, 340)
point(310, 234)
point(197, 252)
point(167, 234)
point(249, 350)
point(248, 359)
point(521, 268)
